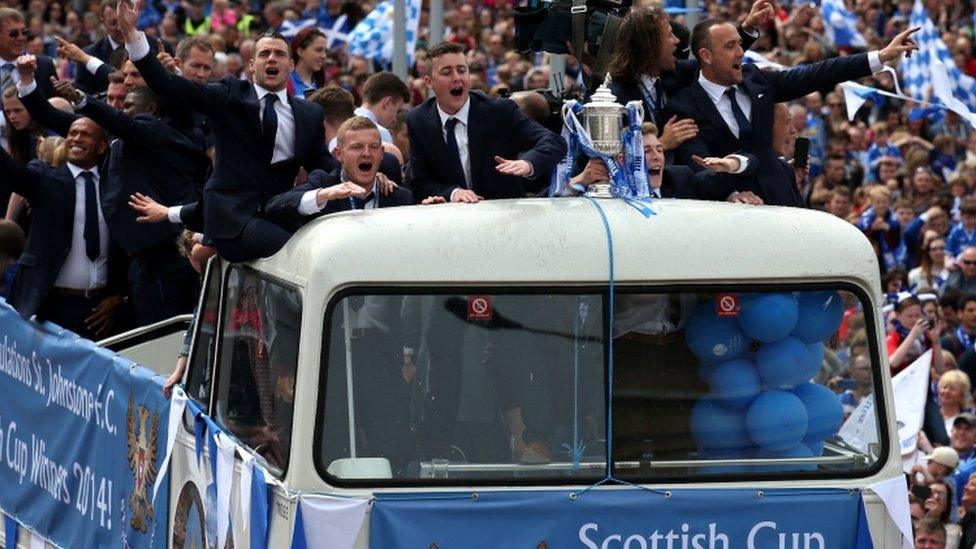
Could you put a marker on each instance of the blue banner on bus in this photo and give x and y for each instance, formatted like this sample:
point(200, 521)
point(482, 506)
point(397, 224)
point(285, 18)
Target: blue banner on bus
point(631, 518)
point(82, 436)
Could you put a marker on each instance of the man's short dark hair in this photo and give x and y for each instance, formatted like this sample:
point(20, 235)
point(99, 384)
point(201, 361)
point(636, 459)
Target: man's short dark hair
point(117, 58)
point(273, 36)
point(382, 85)
point(966, 299)
point(442, 48)
point(338, 104)
point(116, 77)
point(836, 156)
point(190, 42)
point(950, 298)
point(701, 35)
point(107, 4)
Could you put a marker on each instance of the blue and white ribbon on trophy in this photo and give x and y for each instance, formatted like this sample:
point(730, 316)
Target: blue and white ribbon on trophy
point(628, 182)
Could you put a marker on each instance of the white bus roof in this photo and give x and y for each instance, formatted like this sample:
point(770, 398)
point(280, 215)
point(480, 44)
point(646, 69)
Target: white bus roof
point(563, 241)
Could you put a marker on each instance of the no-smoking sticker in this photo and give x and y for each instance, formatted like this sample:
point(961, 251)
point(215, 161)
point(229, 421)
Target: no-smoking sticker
point(727, 305)
point(479, 307)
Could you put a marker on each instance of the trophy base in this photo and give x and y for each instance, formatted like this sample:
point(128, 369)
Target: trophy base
point(599, 190)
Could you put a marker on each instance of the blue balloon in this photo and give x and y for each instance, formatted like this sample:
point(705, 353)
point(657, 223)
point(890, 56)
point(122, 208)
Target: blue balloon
point(777, 420)
point(824, 412)
point(708, 454)
point(735, 383)
point(798, 451)
point(715, 426)
point(820, 315)
point(816, 448)
point(785, 363)
point(768, 317)
point(817, 352)
point(713, 338)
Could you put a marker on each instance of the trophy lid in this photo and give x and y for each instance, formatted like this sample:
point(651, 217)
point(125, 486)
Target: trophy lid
point(603, 95)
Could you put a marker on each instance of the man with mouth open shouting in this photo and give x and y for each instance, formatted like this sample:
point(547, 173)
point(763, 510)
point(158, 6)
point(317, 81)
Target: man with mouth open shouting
point(465, 147)
point(355, 186)
point(262, 137)
point(732, 102)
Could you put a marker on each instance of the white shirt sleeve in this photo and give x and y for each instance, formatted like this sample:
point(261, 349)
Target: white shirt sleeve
point(743, 162)
point(93, 64)
point(874, 59)
point(309, 204)
point(138, 49)
point(173, 215)
point(24, 91)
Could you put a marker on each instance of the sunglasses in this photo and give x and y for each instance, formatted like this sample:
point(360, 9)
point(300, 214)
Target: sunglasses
point(968, 263)
point(18, 32)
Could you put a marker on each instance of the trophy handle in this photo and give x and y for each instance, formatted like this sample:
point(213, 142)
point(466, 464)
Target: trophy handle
point(567, 105)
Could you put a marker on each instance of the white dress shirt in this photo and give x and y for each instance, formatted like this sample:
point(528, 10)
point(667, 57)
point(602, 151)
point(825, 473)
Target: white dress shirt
point(309, 204)
point(461, 134)
point(79, 272)
point(385, 134)
point(284, 148)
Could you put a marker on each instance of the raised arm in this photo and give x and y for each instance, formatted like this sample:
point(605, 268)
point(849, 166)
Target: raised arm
point(199, 97)
point(32, 97)
point(118, 124)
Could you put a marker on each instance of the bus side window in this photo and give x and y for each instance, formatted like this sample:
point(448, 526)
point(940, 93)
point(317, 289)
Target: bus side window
point(204, 345)
point(257, 362)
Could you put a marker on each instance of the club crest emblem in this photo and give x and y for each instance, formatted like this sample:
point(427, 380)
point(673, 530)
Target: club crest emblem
point(143, 432)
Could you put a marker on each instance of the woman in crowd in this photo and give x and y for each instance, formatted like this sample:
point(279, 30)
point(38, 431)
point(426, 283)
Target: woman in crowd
point(931, 272)
point(308, 54)
point(955, 396)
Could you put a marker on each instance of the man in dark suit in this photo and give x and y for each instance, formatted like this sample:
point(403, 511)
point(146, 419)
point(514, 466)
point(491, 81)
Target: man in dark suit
point(263, 137)
point(156, 157)
point(70, 272)
point(643, 66)
point(355, 186)
point(465, 147)
point(744, 123)
point(13, 41)
point(90, 75)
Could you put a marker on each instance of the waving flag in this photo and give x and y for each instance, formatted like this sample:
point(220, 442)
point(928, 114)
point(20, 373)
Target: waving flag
point(918, 70)
point(372, 38)
point(841, 25)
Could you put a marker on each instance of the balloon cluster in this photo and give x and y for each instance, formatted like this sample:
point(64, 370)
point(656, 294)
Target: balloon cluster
point(762, 404)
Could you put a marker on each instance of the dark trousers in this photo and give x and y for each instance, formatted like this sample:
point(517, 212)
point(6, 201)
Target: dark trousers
point(70, 312)
point(163, 284)
point(259, 238)
point(655, 386)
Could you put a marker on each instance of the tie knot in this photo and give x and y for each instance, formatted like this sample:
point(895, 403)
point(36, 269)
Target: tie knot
point(271, 98)
point(87, 176)
point(451, 123)
point(730, 92)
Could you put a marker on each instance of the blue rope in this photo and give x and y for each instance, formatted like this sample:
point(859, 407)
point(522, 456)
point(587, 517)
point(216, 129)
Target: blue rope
point(606, 227)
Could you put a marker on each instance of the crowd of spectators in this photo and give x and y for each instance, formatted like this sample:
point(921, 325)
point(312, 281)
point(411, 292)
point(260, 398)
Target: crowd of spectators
point(904, 176)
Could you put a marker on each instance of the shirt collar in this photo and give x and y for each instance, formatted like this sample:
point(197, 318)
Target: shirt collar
point(461, 115)
point(76, 171)
point(115, 45)
point(713, 90)
point(648, 80)
point(4, 62)
point(363, 111)
point(282, 94)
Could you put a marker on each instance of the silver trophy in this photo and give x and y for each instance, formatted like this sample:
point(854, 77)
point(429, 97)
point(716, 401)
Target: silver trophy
point(603, 119)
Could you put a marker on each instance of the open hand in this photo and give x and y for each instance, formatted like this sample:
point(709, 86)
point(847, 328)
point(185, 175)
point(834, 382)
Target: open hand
point(676, 132)
point(520, 168)
point(103, 315)
point(150, 210)
point(727, 164)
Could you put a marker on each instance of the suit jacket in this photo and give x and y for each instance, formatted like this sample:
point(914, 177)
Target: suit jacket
point(764, 89)
point(97, 83)
point(51, 192)
point(683, 182)
point(283, 209)
point(153, 156)
point(242, 181)
point(496, 127)
point(684, 73)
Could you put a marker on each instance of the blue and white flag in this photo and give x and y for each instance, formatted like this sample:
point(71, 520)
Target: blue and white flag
point(841, 25)
point(290, 28)
point(372, 38)
point(918, 70)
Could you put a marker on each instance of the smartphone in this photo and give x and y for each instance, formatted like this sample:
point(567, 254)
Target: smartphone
point(801, 152)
